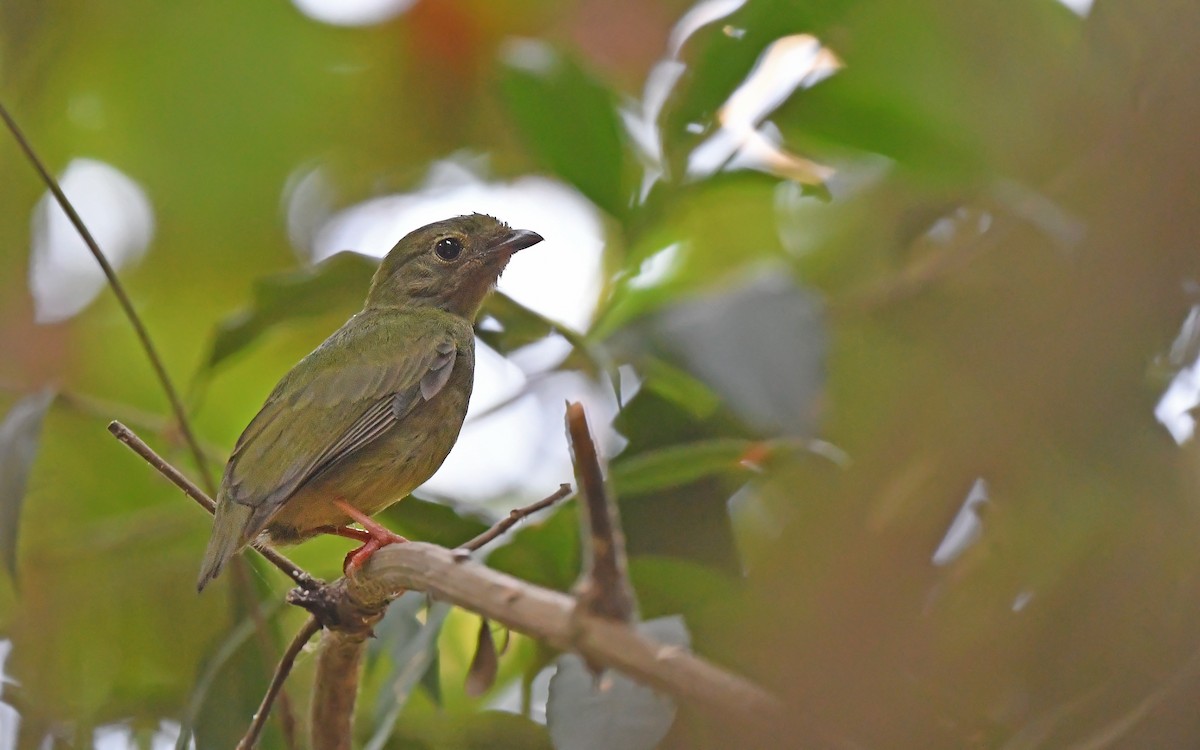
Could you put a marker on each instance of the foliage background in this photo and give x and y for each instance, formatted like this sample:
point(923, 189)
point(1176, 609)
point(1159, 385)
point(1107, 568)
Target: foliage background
point(990, 291)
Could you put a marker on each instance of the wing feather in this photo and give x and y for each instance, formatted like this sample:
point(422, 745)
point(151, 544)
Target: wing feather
point(356, 402)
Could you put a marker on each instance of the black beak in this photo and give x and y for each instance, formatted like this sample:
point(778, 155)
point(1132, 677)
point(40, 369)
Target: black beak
point(517, 239)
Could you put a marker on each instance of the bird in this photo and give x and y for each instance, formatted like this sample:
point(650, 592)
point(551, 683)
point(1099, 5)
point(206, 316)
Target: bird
point(371, 413)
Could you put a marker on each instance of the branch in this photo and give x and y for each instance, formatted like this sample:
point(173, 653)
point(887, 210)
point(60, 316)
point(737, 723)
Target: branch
point(514, 517)
point(274, 689)
point(551, 617)
point(126, 436)
point(603, 589)
point(126, 305)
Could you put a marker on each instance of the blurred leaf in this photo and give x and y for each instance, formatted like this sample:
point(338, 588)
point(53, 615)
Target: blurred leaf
point(544, 554)
point(340, 281)
point(214, 666)
point(19, 436)
point(586, 713)
point(670, 586)
point(229, 692)
point(760, 345)
point(678, 386)
point(718, 62)
point(412, 646)
point(569, 119)
point(707, 234)
point(481, 675)
point(678, 464)
point(484, 730)
point(688, 520)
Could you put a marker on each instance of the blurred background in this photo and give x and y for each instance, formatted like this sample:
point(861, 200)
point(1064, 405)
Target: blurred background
point(886, 314)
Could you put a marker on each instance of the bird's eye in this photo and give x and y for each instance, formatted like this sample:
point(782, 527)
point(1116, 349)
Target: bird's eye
point(448, 248)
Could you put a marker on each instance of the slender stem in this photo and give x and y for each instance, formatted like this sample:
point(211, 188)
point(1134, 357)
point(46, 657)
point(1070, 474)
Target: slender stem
point(281, 672)
point(126, 436)
point(126, 305)
point(515, 516)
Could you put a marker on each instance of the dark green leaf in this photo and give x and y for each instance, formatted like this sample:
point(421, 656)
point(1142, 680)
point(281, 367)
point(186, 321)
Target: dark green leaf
point(569, 119)
point(229, 692)
point(586, 713)
point(760, 345)
point(338, 283)
point(412, 646)
point(520, 326)
point(19, 436)
point(678, 387)
point(678, 464)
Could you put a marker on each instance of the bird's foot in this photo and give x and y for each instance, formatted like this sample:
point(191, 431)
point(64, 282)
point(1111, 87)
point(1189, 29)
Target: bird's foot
point(373, 537)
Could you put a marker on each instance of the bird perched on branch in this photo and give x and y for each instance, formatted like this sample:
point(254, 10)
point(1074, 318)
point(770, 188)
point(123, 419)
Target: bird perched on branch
point(372, 412)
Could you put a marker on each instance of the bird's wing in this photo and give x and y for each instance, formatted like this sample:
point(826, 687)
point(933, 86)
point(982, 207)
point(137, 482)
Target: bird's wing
point(345, 407)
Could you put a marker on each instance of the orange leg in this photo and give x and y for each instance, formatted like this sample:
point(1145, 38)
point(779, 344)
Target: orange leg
point(372, 539)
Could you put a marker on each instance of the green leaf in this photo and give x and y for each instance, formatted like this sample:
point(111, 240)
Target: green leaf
point(584, 716)
point(341, 281)
point(413, 648)
point(19, 436)
point(678, 464)
point(520, 326)
point(569, 120)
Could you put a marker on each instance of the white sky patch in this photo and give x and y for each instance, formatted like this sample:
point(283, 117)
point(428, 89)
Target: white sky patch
point(9, 718)
point(1174, 409)
point(965, 529)
point(655, 269)
point(352, 12)
point(1080, 8)
point(1022, 600)
point(64, 278)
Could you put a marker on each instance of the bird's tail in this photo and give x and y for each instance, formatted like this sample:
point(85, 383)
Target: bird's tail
point(227, 538)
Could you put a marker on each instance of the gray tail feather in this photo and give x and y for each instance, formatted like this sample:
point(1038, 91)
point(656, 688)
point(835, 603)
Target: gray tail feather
point(228, 536)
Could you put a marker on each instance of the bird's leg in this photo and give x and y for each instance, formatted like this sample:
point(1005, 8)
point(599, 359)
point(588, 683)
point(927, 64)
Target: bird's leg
point(374, 537)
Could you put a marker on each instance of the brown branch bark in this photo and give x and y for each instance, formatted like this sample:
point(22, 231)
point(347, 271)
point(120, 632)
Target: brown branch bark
point(549, 616)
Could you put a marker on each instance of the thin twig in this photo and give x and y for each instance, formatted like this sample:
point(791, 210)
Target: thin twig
point(126, 436)
point(126, 305)
point(311, 627)
point(266, 650)
point(514, 517)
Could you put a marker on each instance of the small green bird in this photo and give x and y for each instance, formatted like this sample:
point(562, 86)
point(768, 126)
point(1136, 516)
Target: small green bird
point(372, 412)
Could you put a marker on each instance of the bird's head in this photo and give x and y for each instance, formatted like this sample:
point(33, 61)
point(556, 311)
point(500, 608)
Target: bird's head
point(450, 264)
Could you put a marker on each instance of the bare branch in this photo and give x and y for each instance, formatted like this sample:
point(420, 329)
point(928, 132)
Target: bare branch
point(514, 517)
point(126, 436)
point(549, 616)
point(603, 589)
point(135, 320)
point(276, 687)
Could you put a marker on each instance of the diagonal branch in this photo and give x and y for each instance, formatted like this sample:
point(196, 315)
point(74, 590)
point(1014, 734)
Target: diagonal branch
point(126, 436)
point(514, 517)
point(311, 626)
point(551, 617)
point(135, 320)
